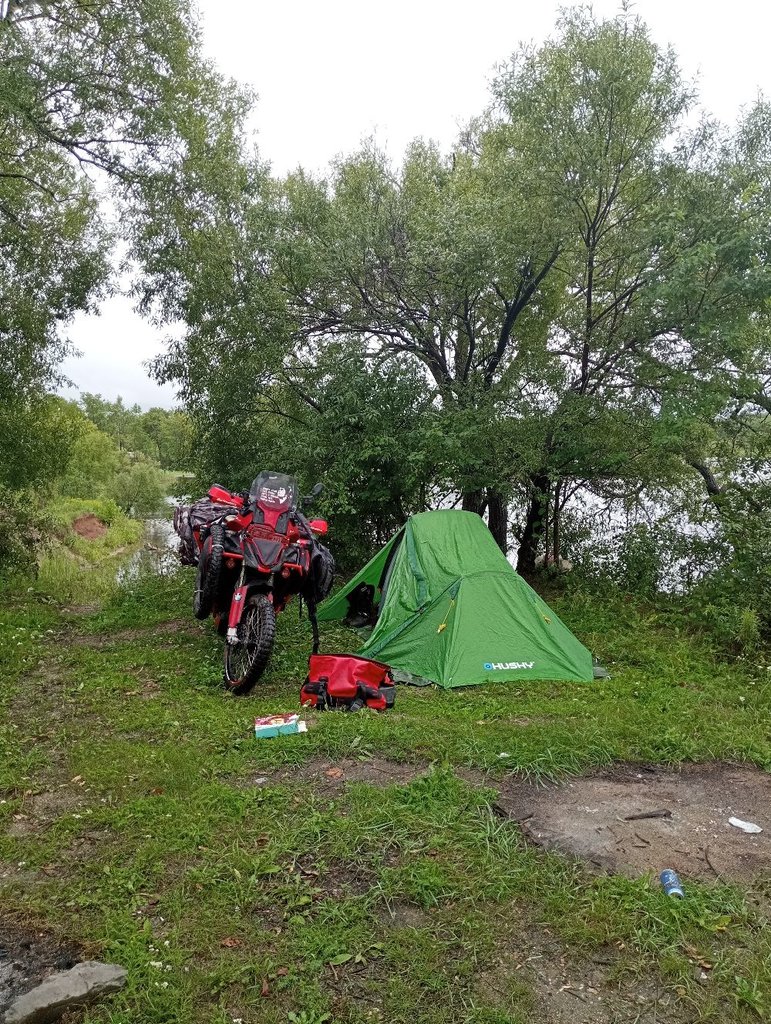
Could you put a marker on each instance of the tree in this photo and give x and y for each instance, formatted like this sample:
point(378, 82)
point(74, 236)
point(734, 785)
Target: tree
point(109, 88)
point(171, 433)
point(138, 488)
point(659, 246)
point(95, 461)
point(105, 84)
point(36, 441)
point(580, 286)
point(416, 263)
point(564, 279)
point(123, 423)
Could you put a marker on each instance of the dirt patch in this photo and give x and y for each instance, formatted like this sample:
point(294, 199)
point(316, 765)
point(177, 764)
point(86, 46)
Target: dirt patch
point(81, 609)
point(170, 631)
point(331, 777)
point(536, 976)
point(586, 817)
point(399, 914)
point(27, 957)
point(89, 527)
point(41, 809)
point(333, 878)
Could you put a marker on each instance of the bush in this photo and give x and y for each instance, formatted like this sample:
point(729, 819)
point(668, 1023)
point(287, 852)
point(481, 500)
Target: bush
point(140, 489)
point(94, 463)
point(62, 512)
point(23, 529)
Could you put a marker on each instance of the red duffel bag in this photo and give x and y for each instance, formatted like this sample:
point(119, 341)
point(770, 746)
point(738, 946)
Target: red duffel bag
point(346, 682)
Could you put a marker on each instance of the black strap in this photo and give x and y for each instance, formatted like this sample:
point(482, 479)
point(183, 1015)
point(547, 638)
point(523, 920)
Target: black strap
point(311, 606)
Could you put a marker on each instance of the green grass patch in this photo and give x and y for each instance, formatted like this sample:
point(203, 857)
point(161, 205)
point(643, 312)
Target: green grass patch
point(82, 570)
point(402, 903)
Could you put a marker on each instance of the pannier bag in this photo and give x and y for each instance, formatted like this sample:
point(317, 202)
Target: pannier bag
point(348, 683)
point(322, 573)
point(188, 518)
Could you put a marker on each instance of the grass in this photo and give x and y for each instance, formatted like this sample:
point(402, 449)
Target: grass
point(406, 903)
point(77, 569)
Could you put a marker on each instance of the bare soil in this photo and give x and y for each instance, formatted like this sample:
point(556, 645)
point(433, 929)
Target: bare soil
point(399, 914)
point(586, 817)
point(89, 527)
point(161, 634)
point(27, 957)
point(558, 989)
point(41, 809)
point(330, 777)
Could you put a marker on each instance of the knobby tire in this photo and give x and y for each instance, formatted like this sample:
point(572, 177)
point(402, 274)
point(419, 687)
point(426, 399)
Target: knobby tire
point(246, 661)
point(209, 571)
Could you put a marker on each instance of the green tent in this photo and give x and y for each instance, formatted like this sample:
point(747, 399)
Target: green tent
point(454, 610)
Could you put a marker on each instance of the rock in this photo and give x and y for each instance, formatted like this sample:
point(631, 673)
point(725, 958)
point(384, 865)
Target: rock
point(87, 982)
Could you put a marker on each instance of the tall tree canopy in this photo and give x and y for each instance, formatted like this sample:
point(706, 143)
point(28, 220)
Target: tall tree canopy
point(90, 94)
point(579, 267)
point(572, 296)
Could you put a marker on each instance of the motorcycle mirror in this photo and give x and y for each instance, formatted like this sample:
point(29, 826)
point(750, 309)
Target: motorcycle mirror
point(316, 490)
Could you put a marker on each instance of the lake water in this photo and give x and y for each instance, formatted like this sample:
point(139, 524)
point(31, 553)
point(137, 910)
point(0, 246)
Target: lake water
point(157, 555)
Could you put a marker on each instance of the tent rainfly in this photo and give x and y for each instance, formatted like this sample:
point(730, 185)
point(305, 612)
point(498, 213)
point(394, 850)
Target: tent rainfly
point(453, 610)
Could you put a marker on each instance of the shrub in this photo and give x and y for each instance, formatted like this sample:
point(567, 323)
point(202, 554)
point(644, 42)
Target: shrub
point(139, 489)
point(23, 528)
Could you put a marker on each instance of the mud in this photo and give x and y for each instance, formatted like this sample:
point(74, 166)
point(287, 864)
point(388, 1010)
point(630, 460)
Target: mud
point(28, 956)
point(585, 817)
point(89, 527)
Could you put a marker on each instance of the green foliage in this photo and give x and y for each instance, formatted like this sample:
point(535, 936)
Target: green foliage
point(62, 513)
point(359, 429)
point(171, 434)
point(37, 434)
point(75, 568)
point(161, 434)
point(94, 463)
point(139, 488)
point(84, 466)
point(22, 527)
point(579, 288)
point(108, 85)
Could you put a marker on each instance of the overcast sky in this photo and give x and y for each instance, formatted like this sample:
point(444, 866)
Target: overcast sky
point(330, 72)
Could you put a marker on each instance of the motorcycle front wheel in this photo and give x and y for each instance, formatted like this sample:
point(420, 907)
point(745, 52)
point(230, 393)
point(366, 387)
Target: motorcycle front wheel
point(246, 660)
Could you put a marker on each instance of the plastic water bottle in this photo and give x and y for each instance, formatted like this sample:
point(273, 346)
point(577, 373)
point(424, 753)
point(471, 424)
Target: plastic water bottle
point(670, 883)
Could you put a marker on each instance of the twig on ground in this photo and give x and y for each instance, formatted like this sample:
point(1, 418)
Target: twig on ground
point(707, 859)
point(664, 813)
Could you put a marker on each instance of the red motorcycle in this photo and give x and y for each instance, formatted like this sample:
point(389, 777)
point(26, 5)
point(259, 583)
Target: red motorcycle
point(254, 552)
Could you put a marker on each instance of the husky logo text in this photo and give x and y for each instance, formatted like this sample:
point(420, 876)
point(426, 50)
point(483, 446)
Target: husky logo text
point(503, 666)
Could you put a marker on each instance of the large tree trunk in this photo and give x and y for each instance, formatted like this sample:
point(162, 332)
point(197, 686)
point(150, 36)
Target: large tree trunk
point(556, 532)
point(498, 519)
point(492, 502)
point(474, 501)
point(537, 512)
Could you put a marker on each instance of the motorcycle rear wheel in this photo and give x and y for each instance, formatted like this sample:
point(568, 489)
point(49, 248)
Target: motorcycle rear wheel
point(246, 660)
point(207, 578)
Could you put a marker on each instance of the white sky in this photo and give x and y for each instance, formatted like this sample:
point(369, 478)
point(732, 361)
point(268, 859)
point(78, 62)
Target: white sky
point(330, 72)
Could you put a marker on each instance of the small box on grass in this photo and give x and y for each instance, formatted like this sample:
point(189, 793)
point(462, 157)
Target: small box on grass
point(279, 725)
